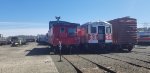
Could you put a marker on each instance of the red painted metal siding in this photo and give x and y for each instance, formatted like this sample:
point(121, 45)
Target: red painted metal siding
point(64, 37)
point(124, 30)
point(83, 35)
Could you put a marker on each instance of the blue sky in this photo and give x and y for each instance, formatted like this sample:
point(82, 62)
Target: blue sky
point(27, 16)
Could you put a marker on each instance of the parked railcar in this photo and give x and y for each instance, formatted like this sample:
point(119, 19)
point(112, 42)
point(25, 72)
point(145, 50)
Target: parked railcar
point(95, 35)
point(3, 40)
point(64, 32)
point(144, 38)
point(124, 33)
point(42, 39)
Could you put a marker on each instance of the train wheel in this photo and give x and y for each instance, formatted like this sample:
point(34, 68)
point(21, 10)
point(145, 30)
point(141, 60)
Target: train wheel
point(130, 48)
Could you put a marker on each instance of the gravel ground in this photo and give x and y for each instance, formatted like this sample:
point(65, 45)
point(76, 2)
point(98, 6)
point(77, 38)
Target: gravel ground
point(117, 66)
point(64, 66)
point(137, 62)
point(123, 62)
point(83, 65)
point(134, 56)
point(23, 59)
point(33, 58)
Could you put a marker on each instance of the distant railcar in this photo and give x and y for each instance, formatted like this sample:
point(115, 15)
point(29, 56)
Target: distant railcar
point(143, 38)
point(42, 39)
point(64, 32)
point(3, 41)
point(95, 34)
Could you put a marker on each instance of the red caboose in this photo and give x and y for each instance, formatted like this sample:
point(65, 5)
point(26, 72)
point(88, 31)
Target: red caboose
point(63, 31)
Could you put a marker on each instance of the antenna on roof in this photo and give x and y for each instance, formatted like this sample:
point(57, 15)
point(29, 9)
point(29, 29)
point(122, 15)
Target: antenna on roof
point(58, 18)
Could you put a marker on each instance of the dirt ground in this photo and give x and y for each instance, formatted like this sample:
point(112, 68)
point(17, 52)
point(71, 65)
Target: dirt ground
point(33, 58)
point(26, 59)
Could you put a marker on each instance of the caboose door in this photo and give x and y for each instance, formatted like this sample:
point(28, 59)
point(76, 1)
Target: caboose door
point(101, 34)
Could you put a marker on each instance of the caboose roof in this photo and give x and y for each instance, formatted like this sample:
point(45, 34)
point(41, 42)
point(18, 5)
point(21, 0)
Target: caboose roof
point(52, 23)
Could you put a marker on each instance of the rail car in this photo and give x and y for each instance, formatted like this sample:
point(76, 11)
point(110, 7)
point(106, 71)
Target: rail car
point(144, 38)
point(118, 34)
point(124, 34)
point(95, 35)
point(42, 39)
point(64, 32)
point(3, 40)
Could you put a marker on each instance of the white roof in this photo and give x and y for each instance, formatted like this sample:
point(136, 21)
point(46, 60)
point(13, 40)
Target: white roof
point(97, 22)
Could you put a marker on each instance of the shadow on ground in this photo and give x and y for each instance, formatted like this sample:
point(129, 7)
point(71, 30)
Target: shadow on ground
point(38, 51)
point(46, 51)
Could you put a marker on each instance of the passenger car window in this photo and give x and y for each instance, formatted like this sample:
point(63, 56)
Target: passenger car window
point(108, 30)
point(93, 29)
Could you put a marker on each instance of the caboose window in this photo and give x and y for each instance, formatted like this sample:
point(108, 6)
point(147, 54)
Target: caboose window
point(93, 29)
point(62, 30)
point(108, 30)
point(71, 31)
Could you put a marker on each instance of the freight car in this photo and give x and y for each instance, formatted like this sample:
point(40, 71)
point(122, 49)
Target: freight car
point(124, 35)
point(95, 35)
point(144, 38)
point(64, 32)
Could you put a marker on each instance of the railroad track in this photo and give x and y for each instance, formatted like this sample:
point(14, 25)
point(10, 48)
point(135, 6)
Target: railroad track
point(79, 70)
point(141, 53)
point(137, 65)
point(76, 68)
point(133, 64)
point(103, 68)
point(132, 58)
